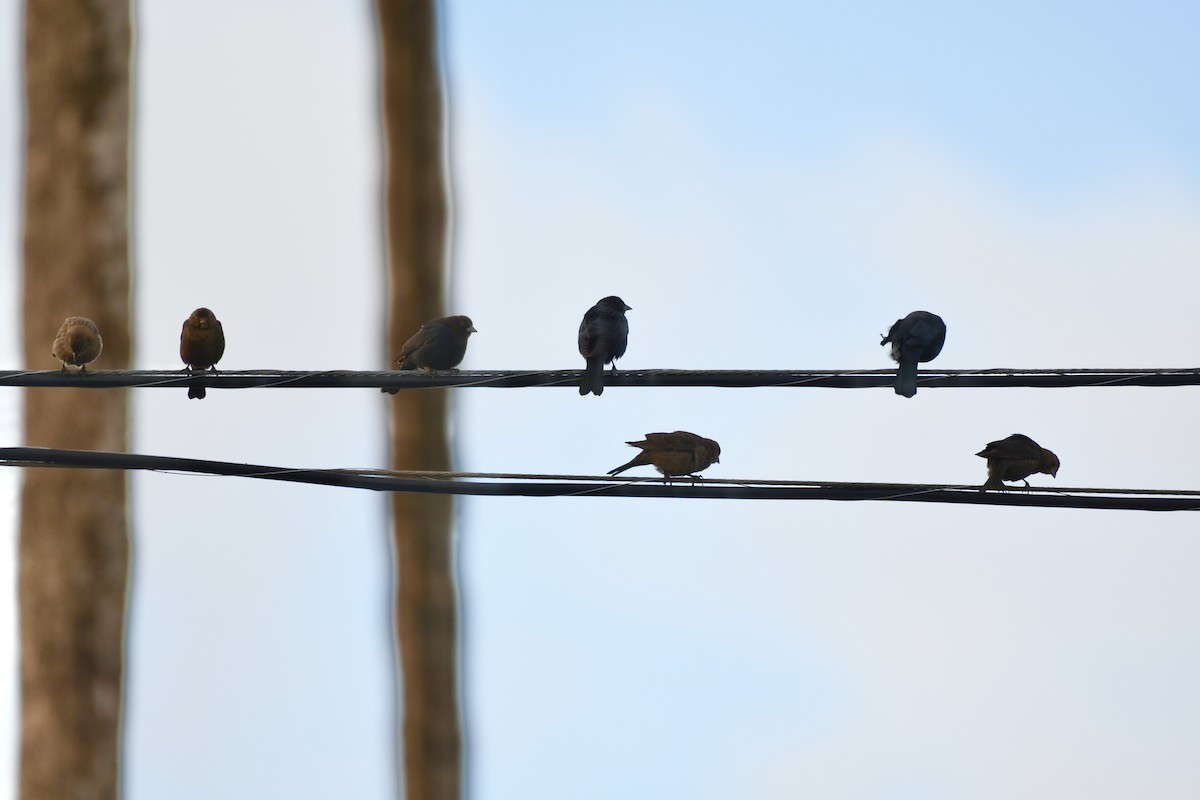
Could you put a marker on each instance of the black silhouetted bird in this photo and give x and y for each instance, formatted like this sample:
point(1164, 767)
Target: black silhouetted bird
point(916, 338)
point(201, 345)
point(674, 454)
point(1015, 459)
point(440, 344)
point(77, 343)
point(603, 336)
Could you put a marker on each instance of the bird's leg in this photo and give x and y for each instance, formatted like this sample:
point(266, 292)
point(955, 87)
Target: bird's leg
point(63, 369)
point(83, 370)
point(1026, 482)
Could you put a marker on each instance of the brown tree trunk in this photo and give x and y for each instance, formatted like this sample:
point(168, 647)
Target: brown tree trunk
point(426, 600)
point(73, 552)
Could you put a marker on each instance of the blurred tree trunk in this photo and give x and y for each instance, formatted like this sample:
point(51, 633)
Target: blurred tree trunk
point(416, 235)
point(73, 552)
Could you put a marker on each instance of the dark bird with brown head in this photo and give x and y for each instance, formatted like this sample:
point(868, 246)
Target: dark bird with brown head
point(916, 338)
point(674, 454)
point(440, 344)
point(603, 336)
point(1016, 458)
point(201, 345)
point(77, 343)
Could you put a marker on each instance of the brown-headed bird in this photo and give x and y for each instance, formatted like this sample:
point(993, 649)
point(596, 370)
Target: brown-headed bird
point(916, 338)
point(603, 336)
point(440, 344)
point(1015, 459)
point(674, 454)
point(201, 345)
point(77, 343)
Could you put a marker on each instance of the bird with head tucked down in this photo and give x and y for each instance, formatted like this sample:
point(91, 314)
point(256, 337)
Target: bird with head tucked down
point(674, 454)
point(77, 343)
point(916, 338)
point(439, 344)
point(1015, 458)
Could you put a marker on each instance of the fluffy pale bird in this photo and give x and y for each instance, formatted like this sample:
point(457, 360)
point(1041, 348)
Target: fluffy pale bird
point(78, 343)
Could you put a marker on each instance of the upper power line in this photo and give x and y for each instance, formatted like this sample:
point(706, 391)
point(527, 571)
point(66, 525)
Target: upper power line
point(512, 379)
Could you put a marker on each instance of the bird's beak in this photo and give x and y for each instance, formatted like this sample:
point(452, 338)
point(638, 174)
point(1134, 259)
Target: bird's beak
point(629, 308)
point(472, 329)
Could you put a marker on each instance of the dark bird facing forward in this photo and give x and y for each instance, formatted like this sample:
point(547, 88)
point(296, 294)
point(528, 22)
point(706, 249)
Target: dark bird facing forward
point(440, 344)
point(1015, 459)
point(603, 336)
point(201, 345)
point(674, 454)
point(77, 343)
point(916, 338)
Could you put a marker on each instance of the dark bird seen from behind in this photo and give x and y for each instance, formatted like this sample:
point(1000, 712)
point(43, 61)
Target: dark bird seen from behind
point(916, 338)
point(1015, 459)
point(603, 336)
point(440, 344)
point(201, 345)
point(674, 454)
point(77, 343)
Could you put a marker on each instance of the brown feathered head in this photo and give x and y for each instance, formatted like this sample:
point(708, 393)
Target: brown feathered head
point(615, 303)
point(463, 324)
point(202, 318)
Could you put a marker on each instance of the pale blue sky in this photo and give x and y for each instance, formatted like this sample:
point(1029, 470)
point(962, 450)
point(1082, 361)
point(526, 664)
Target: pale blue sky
point(769, 189)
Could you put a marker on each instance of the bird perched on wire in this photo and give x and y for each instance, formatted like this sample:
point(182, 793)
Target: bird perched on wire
point(201, 345)
point(78, 343)
point(603, 336)
point(674, 454)
point(440, 344)
point(1015, 459)
point(916, 338)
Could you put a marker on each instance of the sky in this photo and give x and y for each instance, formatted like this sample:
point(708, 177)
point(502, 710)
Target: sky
point(768, 187)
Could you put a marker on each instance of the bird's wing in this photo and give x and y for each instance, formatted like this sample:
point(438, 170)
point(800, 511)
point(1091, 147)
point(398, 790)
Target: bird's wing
point(1016, 446)
point(678, 440)
point(588, 333)
point(417, 340)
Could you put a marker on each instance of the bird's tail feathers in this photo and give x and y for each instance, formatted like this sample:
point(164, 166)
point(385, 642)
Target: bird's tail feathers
point(593, 378)
point(637, 461)
point(906, 377)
